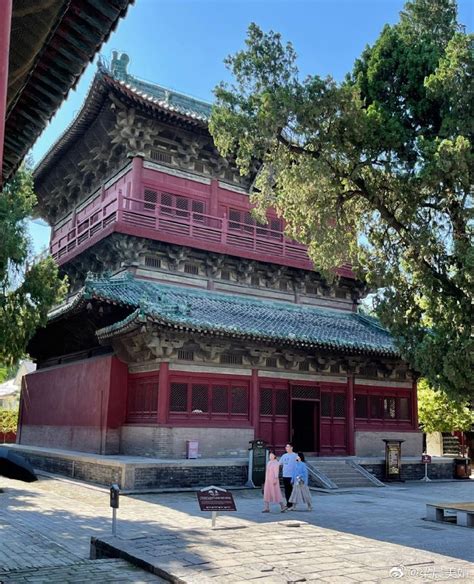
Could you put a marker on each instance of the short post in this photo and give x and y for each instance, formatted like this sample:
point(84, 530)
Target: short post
point(214, 518)
point(426, 459)
point(114, 503)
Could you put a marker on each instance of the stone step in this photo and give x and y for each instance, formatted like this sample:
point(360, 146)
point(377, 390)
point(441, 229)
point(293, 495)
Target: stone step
point(342, 474)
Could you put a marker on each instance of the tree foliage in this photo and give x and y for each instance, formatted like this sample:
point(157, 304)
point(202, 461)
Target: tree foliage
point(437, 412)
point(375, 170)
point(8, 421)
point(27, 291)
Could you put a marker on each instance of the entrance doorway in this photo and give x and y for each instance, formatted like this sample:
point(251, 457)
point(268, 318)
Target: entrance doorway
point(305, 425)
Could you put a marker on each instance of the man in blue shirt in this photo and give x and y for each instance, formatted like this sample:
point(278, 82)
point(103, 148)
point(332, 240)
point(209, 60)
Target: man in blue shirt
point(288, 463)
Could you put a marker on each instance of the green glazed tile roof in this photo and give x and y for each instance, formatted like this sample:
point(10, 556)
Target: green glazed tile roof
point(162, 96)
point(235, 316)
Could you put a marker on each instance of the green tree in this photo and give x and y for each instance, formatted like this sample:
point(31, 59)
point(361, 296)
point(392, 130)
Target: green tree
point(8, 421)
point(27, 291)
point(438, 413)
point(375, 170)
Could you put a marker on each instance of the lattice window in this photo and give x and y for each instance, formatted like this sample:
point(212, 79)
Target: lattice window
point(266, 405)
point(199, 399)
point(182, 207)
point(361, 406)
point(239, 402)
point(185, 355)
point(389, 408)
point(304, 392)
point(339, 400)
point(404, 408)
point(150, 197)
point(326, 404)
point(303, 366)
point(160, 156)
point(166, 203)
point(142, 399)
point(376, 406)
point(220, 400)
point(281, 402)
point(271, 362)
point(198, 208)
point(225, 275)
point(179, 397)
point(241, 220)
point(152, 262)
point(199, 167)
point(191, 269)
point(230, 359)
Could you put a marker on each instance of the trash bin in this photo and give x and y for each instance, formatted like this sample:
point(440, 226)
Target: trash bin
point(462, 468)
point(192, 448)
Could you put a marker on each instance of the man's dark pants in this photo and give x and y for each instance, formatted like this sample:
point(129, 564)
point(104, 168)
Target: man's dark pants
point(288, 488)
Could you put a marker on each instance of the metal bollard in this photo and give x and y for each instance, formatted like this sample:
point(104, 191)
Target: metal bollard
point(114, 503)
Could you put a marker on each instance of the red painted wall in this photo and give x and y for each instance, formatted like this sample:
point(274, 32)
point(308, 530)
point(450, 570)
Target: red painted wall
point(87, 393)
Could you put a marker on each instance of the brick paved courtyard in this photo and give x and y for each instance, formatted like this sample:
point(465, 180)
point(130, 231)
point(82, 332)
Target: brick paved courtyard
point(354, 536)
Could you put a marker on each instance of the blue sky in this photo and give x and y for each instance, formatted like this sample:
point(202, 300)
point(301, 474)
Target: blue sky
point(182, 43)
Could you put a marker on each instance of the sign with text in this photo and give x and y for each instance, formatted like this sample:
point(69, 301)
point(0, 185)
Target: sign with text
point(215, 499)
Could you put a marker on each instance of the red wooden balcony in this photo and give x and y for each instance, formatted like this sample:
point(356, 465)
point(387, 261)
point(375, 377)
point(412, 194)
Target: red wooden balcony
point(174, 210)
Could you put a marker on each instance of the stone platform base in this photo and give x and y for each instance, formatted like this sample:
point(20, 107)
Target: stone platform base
point(138, 473)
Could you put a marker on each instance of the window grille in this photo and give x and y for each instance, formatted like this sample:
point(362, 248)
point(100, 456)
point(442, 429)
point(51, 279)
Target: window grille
point(152, 262)
point(271, 362)
point(185, 355)
point(376, 406)
point(198, 209)
point(191, 269)
point(404, 408)
point(326, 405)
point(166, 202)
point(361, 406)
point(182, 207)
point(303, 366)
point(339, 405)
point(389, 408)
point(281, 402)
point(160, 156)
point(231, 359)
point(239, 404)
point(178, 397)
point(220, 400)
point(225, 275)
point(199, 399)
point(241, 220)
point(142, 399)
point(266, 407)
point(150, 197)
point(199, 167)
point(304, 392)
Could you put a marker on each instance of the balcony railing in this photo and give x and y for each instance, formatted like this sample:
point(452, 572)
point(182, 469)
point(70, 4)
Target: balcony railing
point(163, 222)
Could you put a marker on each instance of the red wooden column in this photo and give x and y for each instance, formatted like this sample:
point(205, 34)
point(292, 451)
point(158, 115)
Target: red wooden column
point(414, 404)
point(5, 25)
point(350, 415)
point(254, 402)
point(137, 177)
point(163, 393)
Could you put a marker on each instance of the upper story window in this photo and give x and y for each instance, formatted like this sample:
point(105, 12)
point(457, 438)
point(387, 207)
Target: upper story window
point(175, 205)
point(243, 221)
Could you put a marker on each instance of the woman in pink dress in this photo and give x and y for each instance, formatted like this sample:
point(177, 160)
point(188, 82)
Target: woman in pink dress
point(271, 489)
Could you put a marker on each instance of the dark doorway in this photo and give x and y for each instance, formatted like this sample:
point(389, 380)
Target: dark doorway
point(305, 426)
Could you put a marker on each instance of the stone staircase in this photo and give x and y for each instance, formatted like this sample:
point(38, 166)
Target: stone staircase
point(340, 474)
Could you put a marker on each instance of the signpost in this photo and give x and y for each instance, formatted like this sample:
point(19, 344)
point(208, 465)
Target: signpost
point(426, 460)
point(215, 499)
point(257, 463)
point(393, 460)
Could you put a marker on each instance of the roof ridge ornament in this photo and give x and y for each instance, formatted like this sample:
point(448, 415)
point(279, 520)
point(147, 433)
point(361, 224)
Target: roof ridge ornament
point(119, 65)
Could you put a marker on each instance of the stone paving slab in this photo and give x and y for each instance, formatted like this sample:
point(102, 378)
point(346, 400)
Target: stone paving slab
point(286, 551)
point(48, 525)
